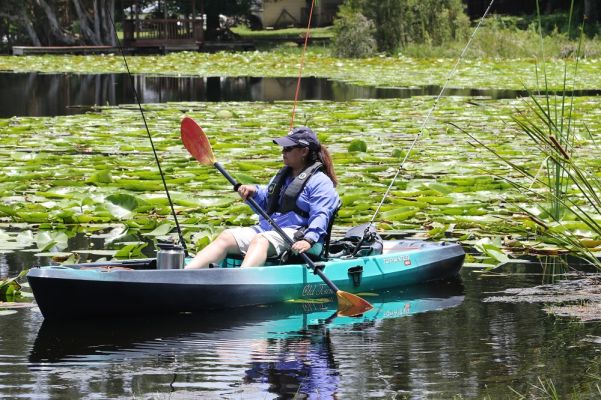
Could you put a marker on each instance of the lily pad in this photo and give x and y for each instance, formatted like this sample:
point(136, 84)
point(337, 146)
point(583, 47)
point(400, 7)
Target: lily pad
point(357, 145)
point(122, 205)
point(160, 230)
point(46, 240)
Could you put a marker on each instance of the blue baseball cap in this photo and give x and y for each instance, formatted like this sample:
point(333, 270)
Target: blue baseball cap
point(300, 136)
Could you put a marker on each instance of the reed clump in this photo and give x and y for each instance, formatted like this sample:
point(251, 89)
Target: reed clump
point(563, 192)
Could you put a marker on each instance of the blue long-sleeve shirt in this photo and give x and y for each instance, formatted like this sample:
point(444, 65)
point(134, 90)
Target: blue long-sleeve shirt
point(318, 198)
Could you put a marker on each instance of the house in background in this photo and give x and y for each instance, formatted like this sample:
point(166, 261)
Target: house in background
point(295, 13)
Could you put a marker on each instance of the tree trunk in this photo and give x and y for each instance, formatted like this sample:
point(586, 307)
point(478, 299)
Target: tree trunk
point(89, 35)
point(23, 20)
point(111, 36)
point(28, 25)
point(55, 29)
point(212, 25)
point(107, 18)
point(97, 10)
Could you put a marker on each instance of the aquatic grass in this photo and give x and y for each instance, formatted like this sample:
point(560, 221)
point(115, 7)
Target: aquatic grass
point(543, 389)
point(569, 187)
point(541, 208)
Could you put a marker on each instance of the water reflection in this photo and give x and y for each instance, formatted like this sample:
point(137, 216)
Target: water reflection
point(35, 94)
point(283, 349)
point(4, 266)
point(274, 321)
point(311, 371)
point(465, 348)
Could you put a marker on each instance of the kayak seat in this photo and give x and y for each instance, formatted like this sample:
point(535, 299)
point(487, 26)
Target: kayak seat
point(371, 245)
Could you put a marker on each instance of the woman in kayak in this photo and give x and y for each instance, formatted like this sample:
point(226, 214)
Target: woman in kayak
point(301, 199)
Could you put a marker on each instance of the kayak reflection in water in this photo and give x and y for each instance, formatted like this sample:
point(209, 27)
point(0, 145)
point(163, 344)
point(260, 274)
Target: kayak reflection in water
point(301, 199)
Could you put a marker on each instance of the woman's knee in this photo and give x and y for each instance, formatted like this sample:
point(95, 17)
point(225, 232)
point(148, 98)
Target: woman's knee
point(263, 244)
point(259, 241)
point(226, 240)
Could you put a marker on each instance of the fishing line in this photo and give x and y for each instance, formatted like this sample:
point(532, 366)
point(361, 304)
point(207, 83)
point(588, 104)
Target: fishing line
point(302, 63)
point(422, 128)
point(156, 157)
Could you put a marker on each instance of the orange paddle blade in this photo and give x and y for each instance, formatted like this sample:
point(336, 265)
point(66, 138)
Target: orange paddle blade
point(350, 305)
point(196, 142)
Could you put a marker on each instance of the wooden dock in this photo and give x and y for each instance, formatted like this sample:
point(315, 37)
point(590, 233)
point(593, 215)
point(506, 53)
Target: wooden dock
point(34, 50)
point(161, 48)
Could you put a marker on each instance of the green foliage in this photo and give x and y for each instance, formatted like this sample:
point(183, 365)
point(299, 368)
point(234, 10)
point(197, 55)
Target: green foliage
point(100, 177)
point(281, 34)
point(443, 181)
point(122, 205)
point(357, 145)
point(10, 288)
point(47, 240)
point(551, 23)
point(403, 22)
point(160, 230)
point(131, 250)
point(353, 34)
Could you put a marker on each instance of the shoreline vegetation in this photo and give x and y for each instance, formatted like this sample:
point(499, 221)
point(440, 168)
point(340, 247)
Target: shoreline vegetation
point(504, 55)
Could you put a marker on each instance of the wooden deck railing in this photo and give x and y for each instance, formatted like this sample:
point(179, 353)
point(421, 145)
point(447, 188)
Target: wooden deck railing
point(162, 31)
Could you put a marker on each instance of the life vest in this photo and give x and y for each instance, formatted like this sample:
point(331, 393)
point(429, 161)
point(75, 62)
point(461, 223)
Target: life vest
point(291, 193)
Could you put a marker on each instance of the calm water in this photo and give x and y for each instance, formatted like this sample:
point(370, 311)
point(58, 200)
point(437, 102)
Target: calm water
point(35, 94)
point(432, 342)
point(436, 341)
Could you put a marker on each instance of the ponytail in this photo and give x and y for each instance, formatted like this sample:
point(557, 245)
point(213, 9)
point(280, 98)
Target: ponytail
point(326, 160)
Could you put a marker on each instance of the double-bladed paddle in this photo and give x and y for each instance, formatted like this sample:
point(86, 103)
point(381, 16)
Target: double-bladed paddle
point(198, 145)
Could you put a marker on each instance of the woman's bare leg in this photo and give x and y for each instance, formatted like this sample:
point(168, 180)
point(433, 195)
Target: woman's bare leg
point(215, 252)
point(256, 253)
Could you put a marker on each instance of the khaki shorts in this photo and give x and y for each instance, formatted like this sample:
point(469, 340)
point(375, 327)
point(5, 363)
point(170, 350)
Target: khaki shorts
point(245, 235)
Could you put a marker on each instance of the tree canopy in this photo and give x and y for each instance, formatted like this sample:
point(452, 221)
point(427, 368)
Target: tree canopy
point(59, 22)
point(399, 22)
point(88, 22)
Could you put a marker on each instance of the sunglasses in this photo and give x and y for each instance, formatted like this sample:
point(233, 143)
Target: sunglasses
point(287, 149)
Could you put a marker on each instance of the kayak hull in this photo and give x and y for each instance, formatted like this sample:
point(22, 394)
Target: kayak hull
point(91, 290)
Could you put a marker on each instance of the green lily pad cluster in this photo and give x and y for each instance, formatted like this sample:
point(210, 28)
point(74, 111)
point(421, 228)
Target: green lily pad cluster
point(380, 71)
point(98, 168)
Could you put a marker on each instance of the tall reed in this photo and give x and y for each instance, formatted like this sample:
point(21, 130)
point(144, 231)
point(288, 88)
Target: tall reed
point(563, 188)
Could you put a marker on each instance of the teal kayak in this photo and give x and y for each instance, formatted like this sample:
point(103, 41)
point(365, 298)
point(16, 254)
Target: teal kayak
point(136, 287)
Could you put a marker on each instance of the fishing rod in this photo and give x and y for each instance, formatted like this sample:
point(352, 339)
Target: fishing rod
point(156, 157)
point(302, 63)
point(366, 233)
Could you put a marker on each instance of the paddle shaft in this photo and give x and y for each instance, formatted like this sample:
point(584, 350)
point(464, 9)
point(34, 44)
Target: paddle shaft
point(277, 228)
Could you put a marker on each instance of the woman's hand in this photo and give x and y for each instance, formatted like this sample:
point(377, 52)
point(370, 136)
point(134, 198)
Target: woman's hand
point(301, 246)
point(246, 191)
